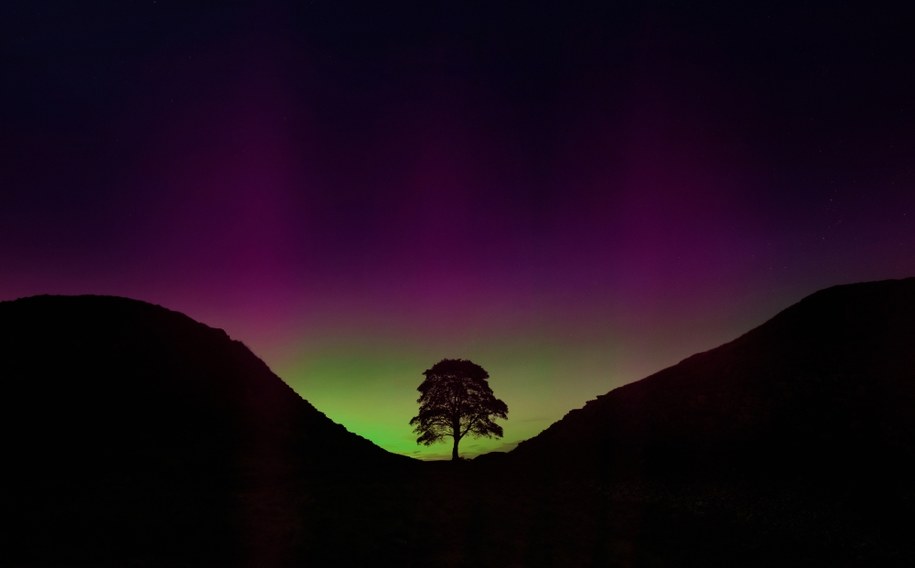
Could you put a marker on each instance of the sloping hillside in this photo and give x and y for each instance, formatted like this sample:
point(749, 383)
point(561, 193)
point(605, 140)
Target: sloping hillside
point(792, 445)
point(129, 427)
point(828, 382)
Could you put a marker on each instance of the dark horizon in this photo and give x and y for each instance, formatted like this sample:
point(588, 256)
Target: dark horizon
point(136, 435)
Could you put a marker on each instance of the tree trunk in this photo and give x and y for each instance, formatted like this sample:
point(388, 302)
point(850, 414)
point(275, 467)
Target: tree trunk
point(454, 452)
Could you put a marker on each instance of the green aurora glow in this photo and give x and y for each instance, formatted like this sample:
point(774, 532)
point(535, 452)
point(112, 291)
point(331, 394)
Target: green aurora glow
point(369, 385)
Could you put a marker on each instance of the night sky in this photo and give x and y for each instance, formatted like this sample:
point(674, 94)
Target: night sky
point(572, 195)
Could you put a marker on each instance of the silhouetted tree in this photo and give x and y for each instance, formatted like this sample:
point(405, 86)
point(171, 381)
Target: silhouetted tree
point(456, 401)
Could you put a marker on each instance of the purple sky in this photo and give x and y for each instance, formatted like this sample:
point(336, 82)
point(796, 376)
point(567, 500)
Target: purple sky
point(580, 196)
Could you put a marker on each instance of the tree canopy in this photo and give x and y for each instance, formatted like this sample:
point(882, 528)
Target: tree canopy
point(456, 401)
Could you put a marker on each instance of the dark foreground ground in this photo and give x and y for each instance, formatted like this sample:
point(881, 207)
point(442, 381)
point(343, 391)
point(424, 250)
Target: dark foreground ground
point(467, 515)
point(471, 514)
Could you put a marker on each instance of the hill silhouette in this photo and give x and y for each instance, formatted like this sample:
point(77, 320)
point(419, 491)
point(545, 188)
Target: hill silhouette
point(828, 382)
point(130, 430)
point(133, 435)
point(792, 444)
